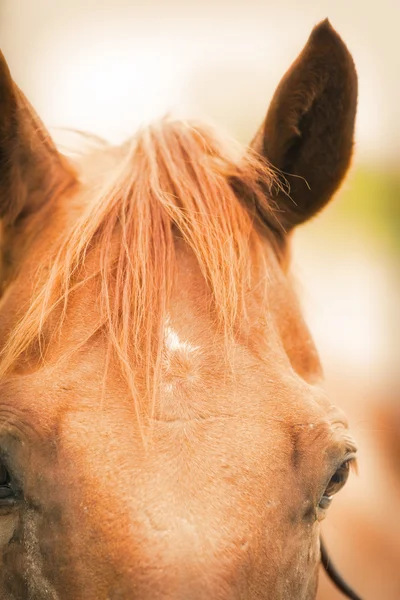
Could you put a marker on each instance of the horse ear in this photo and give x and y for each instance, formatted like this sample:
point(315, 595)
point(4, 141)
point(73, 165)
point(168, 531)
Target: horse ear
point(309, 129)
point(31, 169)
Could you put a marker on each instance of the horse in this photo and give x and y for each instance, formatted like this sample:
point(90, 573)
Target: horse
point(164, 430)
point(363, 528)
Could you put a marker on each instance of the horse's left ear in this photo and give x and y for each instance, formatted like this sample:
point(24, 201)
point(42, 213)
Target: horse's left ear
point(309, 129)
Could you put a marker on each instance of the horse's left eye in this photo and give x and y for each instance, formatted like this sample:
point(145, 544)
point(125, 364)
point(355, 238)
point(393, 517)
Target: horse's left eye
point(335, 484)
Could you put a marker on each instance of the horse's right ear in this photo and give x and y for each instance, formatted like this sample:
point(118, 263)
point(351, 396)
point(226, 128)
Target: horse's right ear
point(31, 168)
point(309, 128)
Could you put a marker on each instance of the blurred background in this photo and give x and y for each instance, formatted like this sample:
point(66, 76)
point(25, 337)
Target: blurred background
point(108, 66)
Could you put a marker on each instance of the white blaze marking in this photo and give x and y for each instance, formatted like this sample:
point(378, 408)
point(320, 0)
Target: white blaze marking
point(174, 344)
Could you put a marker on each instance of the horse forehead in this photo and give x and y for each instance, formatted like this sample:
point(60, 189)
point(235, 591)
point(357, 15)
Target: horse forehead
point(203, 380)
point(173, 343)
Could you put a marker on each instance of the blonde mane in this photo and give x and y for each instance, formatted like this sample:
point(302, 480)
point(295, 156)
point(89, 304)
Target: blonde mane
point(175, 179)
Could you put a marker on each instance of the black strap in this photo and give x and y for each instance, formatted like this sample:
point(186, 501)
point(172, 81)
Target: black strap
point(335, 575)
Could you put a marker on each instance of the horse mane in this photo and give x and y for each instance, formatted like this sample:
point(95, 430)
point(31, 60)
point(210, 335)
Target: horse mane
point(174, 179)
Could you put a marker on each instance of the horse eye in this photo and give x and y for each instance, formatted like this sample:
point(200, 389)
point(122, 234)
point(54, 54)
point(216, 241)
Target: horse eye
point(6, 490)
point(335, 484)
point(4, 477)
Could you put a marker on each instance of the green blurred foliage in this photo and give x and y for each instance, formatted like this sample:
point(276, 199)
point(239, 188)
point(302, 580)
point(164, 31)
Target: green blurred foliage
point(370, 203)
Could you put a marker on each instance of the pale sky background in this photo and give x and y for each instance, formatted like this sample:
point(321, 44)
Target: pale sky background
point(108, 66)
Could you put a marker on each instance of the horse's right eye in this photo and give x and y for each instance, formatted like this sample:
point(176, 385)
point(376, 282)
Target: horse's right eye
point(7, 493)
point(4, 477)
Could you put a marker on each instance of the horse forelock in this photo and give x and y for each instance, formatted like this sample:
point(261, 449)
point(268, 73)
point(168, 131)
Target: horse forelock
point(174, 179)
